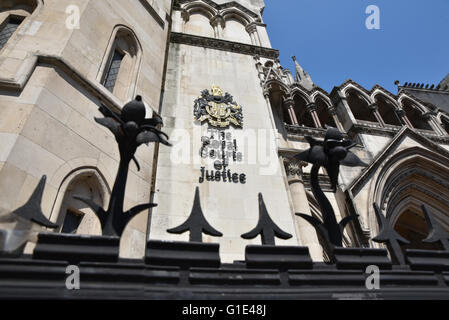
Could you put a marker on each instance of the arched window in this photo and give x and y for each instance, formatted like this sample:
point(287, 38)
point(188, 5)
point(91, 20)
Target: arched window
point(74, 216)
point(387, 111)
point(12, 15)
point(359, 106)
point(121, 65)
point(415, 116)
point(324, 115)
point(302, 113)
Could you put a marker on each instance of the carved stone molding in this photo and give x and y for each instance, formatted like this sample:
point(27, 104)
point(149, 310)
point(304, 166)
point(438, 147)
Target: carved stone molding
point(293, 167)
point(223, 45)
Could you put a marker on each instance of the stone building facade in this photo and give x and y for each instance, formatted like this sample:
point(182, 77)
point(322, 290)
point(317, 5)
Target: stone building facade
point(53, 79)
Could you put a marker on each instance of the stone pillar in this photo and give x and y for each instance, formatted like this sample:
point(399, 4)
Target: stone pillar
point(429, 117)
point(266, 94)
point(252, 30)
point(218, 24)
point(307, 233)
point(402, 115)
point(289, 103)
point(311, 107)
point(333, 113)
point(375, 110)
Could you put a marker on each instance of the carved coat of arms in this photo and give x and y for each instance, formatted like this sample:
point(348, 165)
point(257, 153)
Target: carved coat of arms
point(219, 109)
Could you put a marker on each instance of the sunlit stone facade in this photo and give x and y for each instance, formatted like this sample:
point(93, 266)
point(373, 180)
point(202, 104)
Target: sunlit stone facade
point(55, 74)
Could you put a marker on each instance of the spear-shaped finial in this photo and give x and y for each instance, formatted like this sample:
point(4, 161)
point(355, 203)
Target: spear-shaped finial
point(266, 227)
point(436, 232)
point(196, 223)
point(32, 210)
point(389, 236)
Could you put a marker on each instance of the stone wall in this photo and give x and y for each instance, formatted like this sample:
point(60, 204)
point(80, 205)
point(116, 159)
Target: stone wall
point(50, 94)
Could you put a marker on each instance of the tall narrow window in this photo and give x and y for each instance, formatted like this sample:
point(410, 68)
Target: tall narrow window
point(119, 71)
point(114, 68)
point(8, 28)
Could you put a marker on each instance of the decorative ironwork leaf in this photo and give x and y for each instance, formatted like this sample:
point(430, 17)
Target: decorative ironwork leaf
point(266, 227)
point(32, 210)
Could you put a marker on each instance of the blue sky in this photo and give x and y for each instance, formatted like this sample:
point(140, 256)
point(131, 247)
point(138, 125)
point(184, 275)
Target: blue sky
point(331, 42)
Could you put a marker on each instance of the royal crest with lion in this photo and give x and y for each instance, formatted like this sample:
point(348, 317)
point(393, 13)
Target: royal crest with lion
point(219, 109)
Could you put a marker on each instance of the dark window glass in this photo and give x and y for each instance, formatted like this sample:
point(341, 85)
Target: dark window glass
point(72, 221)
point(111, 76)
point(8, 30)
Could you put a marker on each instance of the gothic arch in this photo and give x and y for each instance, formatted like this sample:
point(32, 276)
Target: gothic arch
point(302, 103)
point(387, 108)
point(198, 7)
point(359, 103)
point(410, 178)
point(72, 215)
point(303, 94)
point(277, 85)
point(319, 94)
point(199, 23)
point(233, 13)
point(235, 26)
point(357, 89)
point(415, 113)
point(323, 107)
point(124, 48)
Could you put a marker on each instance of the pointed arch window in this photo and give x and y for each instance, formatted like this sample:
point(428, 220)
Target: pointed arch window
point(121, 64)
point(416, 116)
point(387, 111)
point(324, 114)
point(359, 106)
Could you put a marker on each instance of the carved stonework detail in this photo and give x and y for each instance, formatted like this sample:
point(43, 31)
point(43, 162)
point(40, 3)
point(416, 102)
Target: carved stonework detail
point(224, 45)
point(293, 167)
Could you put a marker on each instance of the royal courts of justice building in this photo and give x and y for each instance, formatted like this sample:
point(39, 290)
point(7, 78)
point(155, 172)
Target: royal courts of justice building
point(234, 115)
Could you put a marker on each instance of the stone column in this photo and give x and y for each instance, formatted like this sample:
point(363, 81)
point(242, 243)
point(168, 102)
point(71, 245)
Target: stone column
point(252, 30)
point(266, 94)
point(429, 117)
point(311, 107)
point(218, 24)
point(307, 233)
point(333, 113)
point(289, 103)
point(402, 115)
point(375, 110)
